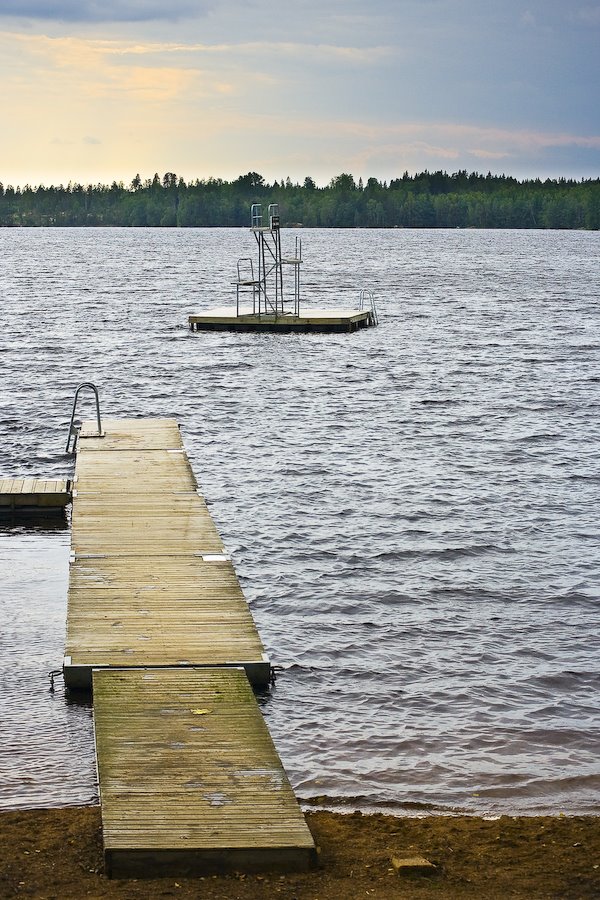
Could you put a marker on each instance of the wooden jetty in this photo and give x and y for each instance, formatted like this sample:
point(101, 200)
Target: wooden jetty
point(320, 321)
point(189, 778)
point(159, 630)
point(36, 495)
point(150, 583)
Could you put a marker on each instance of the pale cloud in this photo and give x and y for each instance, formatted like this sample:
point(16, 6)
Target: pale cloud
point(156, 85)
point(85, 68)
point(367, 56)
point(415, 149)
point(363, 148)
point(352, 145)
point(528, 140)
point(478, 153)
point(461, 135)
point(157, 72)
point(94, 56)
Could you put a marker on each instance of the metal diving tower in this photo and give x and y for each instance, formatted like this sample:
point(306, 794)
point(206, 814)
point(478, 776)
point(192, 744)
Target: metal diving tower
point(265, 282)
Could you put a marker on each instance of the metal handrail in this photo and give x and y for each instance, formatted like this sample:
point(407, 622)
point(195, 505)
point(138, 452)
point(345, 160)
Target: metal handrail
point(243, 282)
point(367, 295)
point(73, 425)
point(256, 215)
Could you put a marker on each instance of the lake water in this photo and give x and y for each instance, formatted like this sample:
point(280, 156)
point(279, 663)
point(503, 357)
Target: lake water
point(413, 510)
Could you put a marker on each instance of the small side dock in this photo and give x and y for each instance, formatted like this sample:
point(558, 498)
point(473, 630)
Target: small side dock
point(34, 495)
point(160, 632)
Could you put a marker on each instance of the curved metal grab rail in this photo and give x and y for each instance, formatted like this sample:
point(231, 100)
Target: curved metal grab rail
point(73, 425)
point(367, 297)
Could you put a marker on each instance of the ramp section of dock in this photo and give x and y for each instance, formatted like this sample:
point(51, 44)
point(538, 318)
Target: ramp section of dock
point(150, 583)
point(189, 778)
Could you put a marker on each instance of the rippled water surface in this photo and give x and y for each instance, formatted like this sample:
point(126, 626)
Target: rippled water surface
point(413, 510)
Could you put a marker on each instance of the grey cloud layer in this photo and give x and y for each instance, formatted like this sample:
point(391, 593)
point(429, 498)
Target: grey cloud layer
point(104, 10)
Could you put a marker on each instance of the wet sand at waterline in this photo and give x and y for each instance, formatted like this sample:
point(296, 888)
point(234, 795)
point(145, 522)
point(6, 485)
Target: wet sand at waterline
point(57, 853)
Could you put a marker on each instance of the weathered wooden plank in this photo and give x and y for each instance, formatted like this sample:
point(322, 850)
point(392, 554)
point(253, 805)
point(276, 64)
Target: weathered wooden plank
point(133, 471)
point(189, 778)
point(143, 434)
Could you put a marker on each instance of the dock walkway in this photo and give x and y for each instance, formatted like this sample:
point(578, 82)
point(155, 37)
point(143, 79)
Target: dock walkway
point(150, 583)
point(158, 626)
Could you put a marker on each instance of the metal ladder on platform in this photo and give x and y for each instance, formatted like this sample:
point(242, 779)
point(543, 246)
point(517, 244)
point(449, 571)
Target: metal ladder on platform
point(367, 302)
point(75, 425)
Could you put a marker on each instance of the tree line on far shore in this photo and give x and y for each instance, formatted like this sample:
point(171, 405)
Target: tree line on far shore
point(425, 200)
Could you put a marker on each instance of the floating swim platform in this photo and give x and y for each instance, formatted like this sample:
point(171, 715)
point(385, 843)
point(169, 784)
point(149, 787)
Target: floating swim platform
point(270, 307)
point(323, 321)
point(190, 781)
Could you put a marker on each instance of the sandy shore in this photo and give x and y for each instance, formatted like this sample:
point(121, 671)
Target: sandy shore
point(57, 853)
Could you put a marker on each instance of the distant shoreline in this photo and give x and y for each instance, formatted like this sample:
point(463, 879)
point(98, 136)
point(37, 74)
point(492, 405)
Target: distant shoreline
point(425, 200)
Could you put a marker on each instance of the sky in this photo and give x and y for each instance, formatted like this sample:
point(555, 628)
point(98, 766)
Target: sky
point(95, 91)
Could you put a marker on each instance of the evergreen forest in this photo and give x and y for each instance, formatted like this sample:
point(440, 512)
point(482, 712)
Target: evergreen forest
point(425, 200)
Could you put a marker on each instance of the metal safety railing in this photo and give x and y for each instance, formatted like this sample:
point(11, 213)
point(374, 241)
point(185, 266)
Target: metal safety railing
point(75, 426)
point(256, 215)
point(247, 282)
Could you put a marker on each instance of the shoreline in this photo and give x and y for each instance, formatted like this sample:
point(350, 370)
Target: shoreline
point(57, 853)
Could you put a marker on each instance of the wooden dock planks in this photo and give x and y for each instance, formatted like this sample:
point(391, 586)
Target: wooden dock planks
point(132, 434)
point(189, 778)
point(149, 581)
point(34, 494)
point(144, 526)
point(165, 611)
